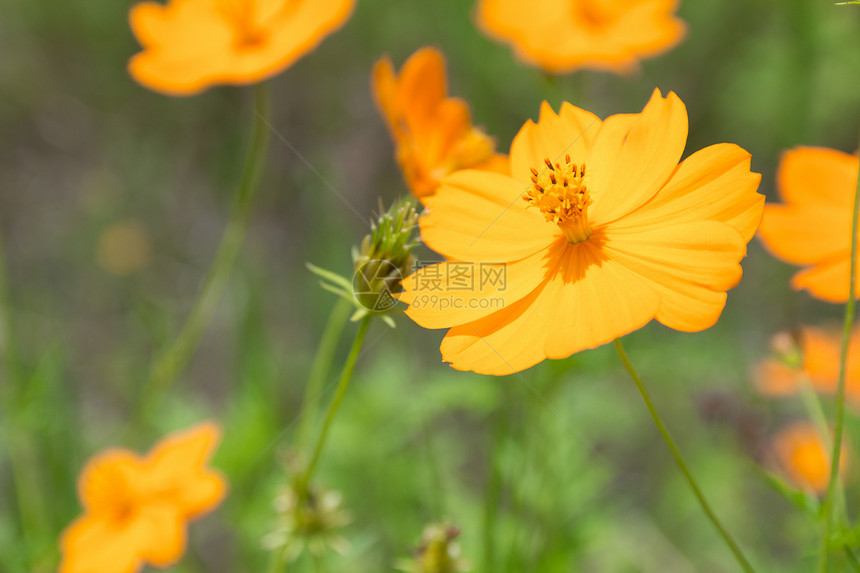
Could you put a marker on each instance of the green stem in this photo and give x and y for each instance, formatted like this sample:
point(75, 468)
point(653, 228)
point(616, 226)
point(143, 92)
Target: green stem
point(175, 357)
point(839, 425)
point(852, 559)
point(343, 384)
point(493, 494)
point(22, 452)
point(320, 368)
point(819, 418)
point(667, 437)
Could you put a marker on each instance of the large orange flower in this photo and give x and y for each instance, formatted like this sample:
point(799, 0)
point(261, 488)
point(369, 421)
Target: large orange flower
point(563, 35)
point(433, 133)
point(803, 456)
point(136, 509)
point(813, 226)
point(596, 231)
point(190, 45)
point(816, 359)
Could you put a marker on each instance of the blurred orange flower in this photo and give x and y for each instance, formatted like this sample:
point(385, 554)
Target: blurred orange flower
point(813, 226)
point(560, 36)
point(803, 457)
point(596, 231)
point(816, 359)
point(433, 133)
point(190, 45)
point(136, 509)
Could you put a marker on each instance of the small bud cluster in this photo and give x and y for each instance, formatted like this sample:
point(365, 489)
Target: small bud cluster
point(438, 553)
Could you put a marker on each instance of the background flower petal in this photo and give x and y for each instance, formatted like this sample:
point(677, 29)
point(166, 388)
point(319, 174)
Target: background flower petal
point(817, 175)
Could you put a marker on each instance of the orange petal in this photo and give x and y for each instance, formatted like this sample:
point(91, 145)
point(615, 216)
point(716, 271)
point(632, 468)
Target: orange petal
point(149, 22)
point(633, 157)
point(452, 293)
point(773, 378)
point(590, 301)
point(422, 85)
point(817, 175)
point(109, 479)
point(713, 183)
point(384, 84)
point(480, 216)
point(806, 234)
point(827, 281)
point(177, 464)
point(162, 532)
point(94, 545)
point(571, 132)
point(691, 264)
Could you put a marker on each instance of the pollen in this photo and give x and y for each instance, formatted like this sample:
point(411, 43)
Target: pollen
point(558, 190)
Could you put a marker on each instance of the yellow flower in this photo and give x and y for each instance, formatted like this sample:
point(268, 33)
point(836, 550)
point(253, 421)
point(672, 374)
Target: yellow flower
point(136, 509)
point(801, 454)
point(813, 226)
point(819, 351)
point(190, 45)
point(596, 231)
point(560, 36)
point(433, 133)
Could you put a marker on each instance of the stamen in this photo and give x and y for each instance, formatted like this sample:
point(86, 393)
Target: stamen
point(561, 195)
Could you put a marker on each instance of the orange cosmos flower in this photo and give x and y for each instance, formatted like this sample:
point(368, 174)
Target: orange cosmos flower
point(813, 226)
point(817, 360)
point(190, 45)
point(596, 231)
point(433, 133)
point(804, 458)
point(560, 36)
point(135, 509)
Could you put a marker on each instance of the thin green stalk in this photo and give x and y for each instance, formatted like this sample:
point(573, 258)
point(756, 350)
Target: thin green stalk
point(852, 559)
point(170, 363)
point(493, 495)
point(22, 453)
point(667, 437)
point(813, 408)
point(343, 384)
point(839, 425)
point(320, 368)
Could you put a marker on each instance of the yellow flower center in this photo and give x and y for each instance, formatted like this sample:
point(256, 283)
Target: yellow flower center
point(240, 15)
point(560, 193)
point(591, 13)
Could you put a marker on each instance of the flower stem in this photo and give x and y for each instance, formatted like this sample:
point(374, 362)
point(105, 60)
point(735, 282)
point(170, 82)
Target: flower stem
point(839, 424)
point(343, 384)
point(22, 452)
point(667, 437)
point(168, 365)
point(320, 368)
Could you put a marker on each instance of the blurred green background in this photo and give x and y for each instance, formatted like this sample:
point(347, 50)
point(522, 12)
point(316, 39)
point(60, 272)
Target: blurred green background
point(556, 469)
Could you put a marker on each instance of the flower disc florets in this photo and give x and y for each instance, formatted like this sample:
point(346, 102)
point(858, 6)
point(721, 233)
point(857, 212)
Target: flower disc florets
point(562, 197)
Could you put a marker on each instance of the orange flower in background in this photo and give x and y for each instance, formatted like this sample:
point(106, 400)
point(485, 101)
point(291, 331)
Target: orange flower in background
point(812, 227)
point(813, 356)
point(804, 457)
point(433, 133)
point(596, 231)
point(136, 509)
point(190, 45)
point(560, 36)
